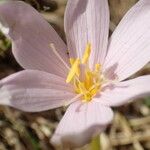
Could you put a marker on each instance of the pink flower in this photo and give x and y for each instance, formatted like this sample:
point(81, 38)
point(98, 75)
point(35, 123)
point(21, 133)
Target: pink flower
point(95, 79)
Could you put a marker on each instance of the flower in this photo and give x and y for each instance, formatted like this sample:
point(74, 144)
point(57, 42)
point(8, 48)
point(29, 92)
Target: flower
point(91, 79)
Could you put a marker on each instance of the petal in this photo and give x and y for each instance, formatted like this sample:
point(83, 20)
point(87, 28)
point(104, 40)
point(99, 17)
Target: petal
point(126, 91)
point(80, 123)
point(87, 21)
point(33, 91)
point(129, 48)
point(31, 36)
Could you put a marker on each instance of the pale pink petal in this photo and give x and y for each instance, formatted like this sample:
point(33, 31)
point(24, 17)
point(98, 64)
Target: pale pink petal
point(125, 92)
point(31, 36)
point(129, 48)
point(33, 91)
point(80, 123)
point(87, 21)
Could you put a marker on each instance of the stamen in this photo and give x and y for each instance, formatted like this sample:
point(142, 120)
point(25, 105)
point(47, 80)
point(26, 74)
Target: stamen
point(88, 79)
point(87, 53)
point(73, 70)
point(72, 60)
point(88, 82)
point(59, 57)
point(97, 67)
point(82, 88)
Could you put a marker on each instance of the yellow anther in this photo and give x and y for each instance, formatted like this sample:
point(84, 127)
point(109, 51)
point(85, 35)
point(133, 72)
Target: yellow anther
point(74, 69)
point(87, 53)
point(97, 67)
point(82, 88)
point(88, 79)
point(72, 60)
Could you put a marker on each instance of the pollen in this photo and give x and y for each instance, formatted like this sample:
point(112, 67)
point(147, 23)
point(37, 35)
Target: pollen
point(87, 82)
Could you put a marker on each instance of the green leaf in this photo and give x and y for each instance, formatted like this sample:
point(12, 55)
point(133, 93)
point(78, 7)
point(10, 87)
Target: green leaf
point(147, 101)
point(95, 143)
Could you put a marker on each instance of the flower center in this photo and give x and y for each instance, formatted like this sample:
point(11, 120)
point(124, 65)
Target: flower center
point(86, 82)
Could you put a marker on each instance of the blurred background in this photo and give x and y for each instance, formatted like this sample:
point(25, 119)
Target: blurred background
point(130, 129)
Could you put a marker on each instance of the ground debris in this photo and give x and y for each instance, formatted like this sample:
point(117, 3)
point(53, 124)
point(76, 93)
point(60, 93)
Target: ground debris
point(130, 129)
